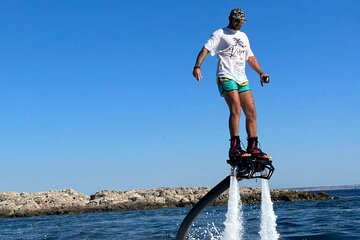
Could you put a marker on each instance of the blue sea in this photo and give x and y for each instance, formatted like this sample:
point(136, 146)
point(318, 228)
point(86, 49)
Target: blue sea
point(332, 219)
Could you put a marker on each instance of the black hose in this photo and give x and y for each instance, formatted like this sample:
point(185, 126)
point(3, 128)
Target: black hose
point(199, 206)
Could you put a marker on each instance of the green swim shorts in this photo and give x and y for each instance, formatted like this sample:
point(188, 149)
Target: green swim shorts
point(227, 85)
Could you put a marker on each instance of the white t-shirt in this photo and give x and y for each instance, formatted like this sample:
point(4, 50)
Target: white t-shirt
point(233, 50)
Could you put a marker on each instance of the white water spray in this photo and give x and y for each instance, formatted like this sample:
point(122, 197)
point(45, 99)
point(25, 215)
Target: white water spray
point(268, 217)
point(234, 217)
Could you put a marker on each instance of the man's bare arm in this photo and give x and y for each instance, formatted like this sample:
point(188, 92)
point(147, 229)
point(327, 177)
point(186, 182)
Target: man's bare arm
point(254, 64)
point(199, 60)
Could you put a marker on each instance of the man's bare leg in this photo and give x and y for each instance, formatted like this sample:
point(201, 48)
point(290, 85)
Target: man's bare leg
point(232, 99)
point(248, 106)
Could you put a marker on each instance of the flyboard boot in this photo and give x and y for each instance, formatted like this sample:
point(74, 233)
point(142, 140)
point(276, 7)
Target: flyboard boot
point(254, 150)
point(253, 163)
point(235, 150)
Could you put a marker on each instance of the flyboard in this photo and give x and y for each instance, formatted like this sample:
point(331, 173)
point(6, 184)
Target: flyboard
point(245, 168)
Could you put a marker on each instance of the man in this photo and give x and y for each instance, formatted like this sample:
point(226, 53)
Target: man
point(232, 49)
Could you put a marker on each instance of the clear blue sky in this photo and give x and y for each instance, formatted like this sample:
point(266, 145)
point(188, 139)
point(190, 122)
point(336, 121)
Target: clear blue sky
point(99, 94)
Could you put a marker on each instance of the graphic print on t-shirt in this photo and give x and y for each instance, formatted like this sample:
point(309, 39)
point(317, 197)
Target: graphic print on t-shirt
point(238, 48)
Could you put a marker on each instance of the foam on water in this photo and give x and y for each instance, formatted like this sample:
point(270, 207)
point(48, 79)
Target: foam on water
point(268, 217)
point(209, 232)
point(234, 217)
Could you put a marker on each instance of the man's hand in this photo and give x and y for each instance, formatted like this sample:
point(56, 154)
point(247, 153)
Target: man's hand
point(264, 78)
point(197, 73)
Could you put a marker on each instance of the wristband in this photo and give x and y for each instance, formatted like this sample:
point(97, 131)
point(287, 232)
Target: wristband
point(197, 67)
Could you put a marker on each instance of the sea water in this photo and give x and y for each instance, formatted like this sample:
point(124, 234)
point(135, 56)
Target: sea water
point(331, 219)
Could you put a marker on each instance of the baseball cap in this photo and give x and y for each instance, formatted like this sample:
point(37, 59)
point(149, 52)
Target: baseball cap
point(238, 13)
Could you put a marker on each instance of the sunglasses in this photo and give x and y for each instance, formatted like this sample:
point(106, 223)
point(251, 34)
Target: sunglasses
point(237, 20)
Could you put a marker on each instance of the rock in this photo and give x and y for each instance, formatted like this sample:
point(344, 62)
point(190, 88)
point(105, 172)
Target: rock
point(29, 204)
point(14, 204)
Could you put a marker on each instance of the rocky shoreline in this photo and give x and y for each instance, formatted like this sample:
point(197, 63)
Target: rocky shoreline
point(13, 204)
